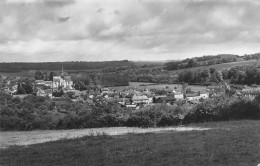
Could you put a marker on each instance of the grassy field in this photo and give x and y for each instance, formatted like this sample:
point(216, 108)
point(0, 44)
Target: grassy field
point(136, 85)
point(149, 63)
point(228, 143)
point(222, 66)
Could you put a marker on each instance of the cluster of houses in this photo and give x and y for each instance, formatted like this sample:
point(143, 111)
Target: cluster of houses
point(6, 85)
point(129, 97)
point(133, 98)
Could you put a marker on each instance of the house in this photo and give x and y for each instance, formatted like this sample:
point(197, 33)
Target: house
point(178, 96)
point(43, 83)
point(165, 99)
point(204, 95)
point(105, 90)
point(130, 105)
point(191, 97)
point(250, 93)
point(21, 96)
point(197, 96)
point(40, 92)
point(156, 98)
point(140, 99)
point(49, 92)
point(44, 93)
point(77, 93)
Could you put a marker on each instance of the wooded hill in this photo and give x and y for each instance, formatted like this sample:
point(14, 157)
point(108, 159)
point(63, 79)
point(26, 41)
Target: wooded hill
point(19, 66)
point(209, 60)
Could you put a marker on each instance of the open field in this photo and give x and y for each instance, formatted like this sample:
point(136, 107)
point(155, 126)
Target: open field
point(10, 138)
point(222, 66)
point(231, 143)
point(148, 85)
point(154, 63)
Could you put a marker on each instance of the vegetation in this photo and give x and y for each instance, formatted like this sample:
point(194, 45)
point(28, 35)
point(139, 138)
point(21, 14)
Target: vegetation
point(245, 75)
point(114, 80)
point(224, 108)
point(208, 60)
point(152, 75)
point(42, 113)
point(228, 143)
point(201, 76)
point(67, 65)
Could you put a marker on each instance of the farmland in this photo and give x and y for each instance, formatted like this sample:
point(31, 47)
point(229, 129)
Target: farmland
point(228, 143)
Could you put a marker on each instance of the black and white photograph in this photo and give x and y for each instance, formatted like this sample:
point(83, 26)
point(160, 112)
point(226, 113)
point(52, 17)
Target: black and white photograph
point(130, 82)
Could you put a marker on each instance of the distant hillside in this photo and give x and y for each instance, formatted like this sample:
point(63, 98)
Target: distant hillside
point(220, 67)
point(144, 64)
point(209, 60)
point(16, 67)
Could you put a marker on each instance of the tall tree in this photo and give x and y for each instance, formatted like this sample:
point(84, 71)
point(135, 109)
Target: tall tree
point(192, 62)
point(20, 90)
point(51, 75)
point(38, 75)
point(28, 88)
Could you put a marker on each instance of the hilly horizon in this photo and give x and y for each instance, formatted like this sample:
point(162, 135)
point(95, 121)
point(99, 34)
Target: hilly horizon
point(168, 60)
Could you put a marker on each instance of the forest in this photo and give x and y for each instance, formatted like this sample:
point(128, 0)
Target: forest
point(208, 60)
point(19, 66)
point(244, 75)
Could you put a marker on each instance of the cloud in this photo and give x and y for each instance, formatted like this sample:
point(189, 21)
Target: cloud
point(131, 29)
point(63, 19)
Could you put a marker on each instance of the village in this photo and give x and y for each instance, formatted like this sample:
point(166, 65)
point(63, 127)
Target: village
point(130, 97)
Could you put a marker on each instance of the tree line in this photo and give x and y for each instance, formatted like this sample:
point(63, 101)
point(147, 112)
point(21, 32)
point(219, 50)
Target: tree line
point(245, 75)
point(18, 66)
point(205, 76)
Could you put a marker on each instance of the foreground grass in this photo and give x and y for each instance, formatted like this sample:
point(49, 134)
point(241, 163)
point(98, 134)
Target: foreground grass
point(229, 143)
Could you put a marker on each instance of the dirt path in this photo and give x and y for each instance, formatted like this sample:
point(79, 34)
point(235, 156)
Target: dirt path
point(9, 138)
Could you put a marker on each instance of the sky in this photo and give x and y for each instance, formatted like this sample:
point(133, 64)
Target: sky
point(150, 30)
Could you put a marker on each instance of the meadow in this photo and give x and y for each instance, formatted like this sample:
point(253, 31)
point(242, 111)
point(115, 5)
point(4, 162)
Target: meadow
point(145, 85)
point(230, 143)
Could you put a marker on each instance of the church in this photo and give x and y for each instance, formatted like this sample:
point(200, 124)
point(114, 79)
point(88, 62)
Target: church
point(64, 82)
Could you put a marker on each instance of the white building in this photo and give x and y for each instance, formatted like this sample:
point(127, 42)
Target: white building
point(140, 99)
point(191, 97)
point(204, 95)
point(63, 82)
point(178, 96)
point(42, 82)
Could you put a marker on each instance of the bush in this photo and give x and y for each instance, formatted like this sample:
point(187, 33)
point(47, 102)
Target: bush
point(222, 109)
point(155, 116)
point(9, 123)
point(169, 120)
point(37, 113)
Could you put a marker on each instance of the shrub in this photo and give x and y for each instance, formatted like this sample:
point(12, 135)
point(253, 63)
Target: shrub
point(169, 120)
point(222, 109)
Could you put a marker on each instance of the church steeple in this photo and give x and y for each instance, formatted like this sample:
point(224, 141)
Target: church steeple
point(62, 72)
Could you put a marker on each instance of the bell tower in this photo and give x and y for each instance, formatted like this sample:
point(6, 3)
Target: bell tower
point(62, 72)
